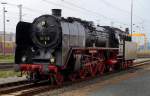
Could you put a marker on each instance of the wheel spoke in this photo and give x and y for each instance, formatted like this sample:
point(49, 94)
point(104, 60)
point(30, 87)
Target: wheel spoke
point(101, 68)
point(94, 69)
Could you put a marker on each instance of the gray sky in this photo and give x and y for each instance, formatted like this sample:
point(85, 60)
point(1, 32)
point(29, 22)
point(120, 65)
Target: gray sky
point(104, 12)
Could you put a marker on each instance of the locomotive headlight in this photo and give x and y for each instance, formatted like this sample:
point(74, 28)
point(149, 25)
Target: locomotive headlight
point(43, 23)
point(24, 58)
point(52, 60)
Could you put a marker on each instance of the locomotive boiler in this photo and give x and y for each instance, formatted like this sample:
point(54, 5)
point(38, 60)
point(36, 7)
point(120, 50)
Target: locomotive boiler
point(58, 48)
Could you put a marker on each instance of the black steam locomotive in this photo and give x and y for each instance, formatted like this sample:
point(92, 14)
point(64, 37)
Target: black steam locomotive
point(53, 47)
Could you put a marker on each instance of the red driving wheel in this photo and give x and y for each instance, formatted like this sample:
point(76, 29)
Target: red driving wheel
point(94, 69)
point(101, 68)
point(59, 78)
point(82, 73)
point(101, 65)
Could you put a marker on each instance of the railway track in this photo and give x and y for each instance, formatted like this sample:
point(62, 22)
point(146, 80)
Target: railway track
point(5, 66)
point(24, 88)
point(141, 63)
point(10, 84)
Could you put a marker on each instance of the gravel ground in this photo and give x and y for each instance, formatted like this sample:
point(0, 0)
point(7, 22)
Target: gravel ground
point(138, 86)
point(105, 86)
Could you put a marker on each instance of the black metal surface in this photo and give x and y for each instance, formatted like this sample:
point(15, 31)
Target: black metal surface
point(46, 31)
point(56, 12)
point(23, 34)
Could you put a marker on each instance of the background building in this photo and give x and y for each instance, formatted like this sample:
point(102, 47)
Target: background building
point(9, 43)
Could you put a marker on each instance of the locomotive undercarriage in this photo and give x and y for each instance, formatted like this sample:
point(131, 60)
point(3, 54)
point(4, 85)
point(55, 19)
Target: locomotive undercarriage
point(82, 63)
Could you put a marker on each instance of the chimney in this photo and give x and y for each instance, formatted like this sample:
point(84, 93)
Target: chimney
point(56, 12)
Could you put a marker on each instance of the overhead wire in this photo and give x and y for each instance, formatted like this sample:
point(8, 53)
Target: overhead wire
point(119, 9)
point(142, 6)
point(113, 6)
point(84, 9)
point(27, 8)
point(72, 4)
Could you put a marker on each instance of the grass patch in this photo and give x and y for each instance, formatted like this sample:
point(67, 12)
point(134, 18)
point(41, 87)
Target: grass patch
point(10, 73)
point(6, 58)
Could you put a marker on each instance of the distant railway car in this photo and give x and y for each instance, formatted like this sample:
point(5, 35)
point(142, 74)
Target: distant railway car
point(57, 48)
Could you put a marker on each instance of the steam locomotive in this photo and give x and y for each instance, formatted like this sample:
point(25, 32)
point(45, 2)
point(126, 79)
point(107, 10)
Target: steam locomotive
point(57, 48)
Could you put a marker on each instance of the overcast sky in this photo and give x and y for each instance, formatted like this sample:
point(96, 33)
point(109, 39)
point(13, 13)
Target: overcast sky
point(103, 12)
